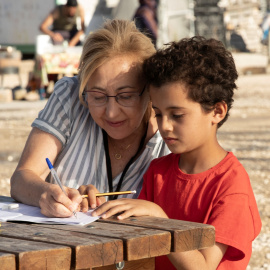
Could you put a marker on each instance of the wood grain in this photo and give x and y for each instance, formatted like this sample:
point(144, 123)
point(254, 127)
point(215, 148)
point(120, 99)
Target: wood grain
point(7, 261)
point(185, 235)
point(88, 250)
point(36, 255)
point(139, 242)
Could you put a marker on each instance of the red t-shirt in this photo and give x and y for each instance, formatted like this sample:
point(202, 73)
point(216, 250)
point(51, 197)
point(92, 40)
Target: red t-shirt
point(221, 196)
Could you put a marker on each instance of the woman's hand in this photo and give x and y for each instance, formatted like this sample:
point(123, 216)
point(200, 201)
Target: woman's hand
point(92, 200)
point(129, 207)
point(54, 203)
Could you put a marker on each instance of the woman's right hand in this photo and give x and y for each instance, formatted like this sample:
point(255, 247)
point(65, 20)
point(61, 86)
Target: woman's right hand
point(92, 201)
point(54, 203)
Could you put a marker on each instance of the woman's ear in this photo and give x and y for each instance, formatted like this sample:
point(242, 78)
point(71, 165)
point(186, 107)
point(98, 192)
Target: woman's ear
point(219, 112)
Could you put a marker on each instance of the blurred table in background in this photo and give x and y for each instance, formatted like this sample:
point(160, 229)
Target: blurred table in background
point(52, 62)
point(65, 62)
point(59, 61)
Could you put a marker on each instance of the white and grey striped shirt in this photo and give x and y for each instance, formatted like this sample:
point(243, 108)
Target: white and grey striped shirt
point(82, 160)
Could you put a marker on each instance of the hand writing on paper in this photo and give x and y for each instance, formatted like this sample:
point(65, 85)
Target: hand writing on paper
point(54, 203)
point(129, 207)
point(92, 200)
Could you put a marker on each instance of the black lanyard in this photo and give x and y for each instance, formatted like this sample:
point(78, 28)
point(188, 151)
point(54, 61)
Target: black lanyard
point(108, 163)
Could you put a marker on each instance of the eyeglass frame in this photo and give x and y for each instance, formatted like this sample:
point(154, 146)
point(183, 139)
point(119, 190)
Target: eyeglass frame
point(116, 99)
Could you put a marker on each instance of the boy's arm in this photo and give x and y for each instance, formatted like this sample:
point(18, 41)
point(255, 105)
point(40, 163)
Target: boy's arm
point(129, 207)
point(208, 258)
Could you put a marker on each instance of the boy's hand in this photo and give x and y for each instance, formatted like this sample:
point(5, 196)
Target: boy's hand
point(129, 207)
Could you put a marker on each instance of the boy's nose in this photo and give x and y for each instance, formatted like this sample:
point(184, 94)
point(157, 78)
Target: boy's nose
point(165, 124)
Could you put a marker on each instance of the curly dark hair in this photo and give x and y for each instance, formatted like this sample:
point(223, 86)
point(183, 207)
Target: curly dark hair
point(203, 65)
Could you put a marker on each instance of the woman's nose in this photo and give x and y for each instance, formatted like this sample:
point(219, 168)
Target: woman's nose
point(112, 108)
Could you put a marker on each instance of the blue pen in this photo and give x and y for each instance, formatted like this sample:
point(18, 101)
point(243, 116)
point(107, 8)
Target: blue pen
point(56, 178)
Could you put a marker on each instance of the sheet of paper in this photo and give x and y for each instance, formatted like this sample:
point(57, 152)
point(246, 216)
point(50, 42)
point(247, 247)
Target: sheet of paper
point(32, 214)
point(5, 215)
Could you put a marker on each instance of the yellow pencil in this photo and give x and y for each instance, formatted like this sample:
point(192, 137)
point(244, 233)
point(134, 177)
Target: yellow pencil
point(112, 193)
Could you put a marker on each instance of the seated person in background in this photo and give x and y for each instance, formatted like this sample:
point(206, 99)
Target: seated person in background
point(146, 19)
point(63, 20)
point(191, 85)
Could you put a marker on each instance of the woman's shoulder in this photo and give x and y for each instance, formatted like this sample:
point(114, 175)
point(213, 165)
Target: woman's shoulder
point(66, 94)
point(67, 86)
point(68, 80)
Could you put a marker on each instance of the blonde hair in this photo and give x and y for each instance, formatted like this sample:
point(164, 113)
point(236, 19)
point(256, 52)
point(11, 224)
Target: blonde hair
point(117, 37)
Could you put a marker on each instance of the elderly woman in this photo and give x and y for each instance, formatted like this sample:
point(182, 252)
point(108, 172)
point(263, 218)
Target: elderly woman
point(97, 128)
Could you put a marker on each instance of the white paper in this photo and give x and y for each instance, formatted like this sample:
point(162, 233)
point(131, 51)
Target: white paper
point(5, 215)
point(32, 214)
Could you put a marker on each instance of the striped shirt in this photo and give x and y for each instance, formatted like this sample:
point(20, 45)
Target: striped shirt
point(82, 160)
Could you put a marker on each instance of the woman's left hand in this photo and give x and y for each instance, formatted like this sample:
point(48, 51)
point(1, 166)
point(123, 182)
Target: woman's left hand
point(129, 207)
point(92, 201)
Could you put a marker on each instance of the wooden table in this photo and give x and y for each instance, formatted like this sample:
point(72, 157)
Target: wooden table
point(101, 245)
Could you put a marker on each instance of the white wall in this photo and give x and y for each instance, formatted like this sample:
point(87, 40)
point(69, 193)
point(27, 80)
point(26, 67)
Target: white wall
point(20, 20)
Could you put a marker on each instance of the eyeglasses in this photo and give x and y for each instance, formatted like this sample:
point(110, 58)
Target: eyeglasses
point(126, 99)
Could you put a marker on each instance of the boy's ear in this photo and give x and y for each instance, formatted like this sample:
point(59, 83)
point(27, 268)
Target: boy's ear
point(219, 112)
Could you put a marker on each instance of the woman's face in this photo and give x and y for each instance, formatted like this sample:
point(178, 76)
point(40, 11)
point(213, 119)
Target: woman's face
point(117, 75)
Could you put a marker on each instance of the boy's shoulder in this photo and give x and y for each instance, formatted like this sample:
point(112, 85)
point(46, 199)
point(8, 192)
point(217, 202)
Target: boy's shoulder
point(231, 162)
point(232, 174)
point(165, 160)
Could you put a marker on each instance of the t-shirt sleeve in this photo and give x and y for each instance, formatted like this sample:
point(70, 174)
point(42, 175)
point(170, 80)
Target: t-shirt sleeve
point(55, 118)
point(234, 224)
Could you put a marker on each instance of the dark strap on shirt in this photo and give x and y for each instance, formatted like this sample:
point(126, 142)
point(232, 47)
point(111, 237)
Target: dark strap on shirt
point(108, 163)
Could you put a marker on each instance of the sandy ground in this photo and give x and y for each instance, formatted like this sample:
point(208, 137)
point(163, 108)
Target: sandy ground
point(246, 133)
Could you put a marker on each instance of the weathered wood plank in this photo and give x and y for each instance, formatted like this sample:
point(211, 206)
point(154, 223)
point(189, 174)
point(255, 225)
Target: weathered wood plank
point(185, 235)
point(7, 261)
point(139, 242)
point(88, 250)
point(36, 255)
point(144, 264)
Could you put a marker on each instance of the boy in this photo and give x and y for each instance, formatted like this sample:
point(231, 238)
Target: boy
point(191, 84)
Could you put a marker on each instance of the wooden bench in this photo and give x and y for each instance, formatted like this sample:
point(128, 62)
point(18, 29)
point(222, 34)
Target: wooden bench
point(135, 241)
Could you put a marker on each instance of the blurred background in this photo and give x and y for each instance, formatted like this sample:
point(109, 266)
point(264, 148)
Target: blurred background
point(30, 64)
point(242, 25)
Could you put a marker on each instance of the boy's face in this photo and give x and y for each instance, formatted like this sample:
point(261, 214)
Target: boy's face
point(184, 126)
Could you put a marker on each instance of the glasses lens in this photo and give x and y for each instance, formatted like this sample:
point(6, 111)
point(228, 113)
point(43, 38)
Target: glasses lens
point(127, 99)
point(96, 98)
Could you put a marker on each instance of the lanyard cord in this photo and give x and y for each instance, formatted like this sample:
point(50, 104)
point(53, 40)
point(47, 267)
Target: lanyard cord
point(108, 163)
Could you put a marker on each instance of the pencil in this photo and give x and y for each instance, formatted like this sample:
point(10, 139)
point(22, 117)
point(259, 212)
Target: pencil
point(112, 193)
